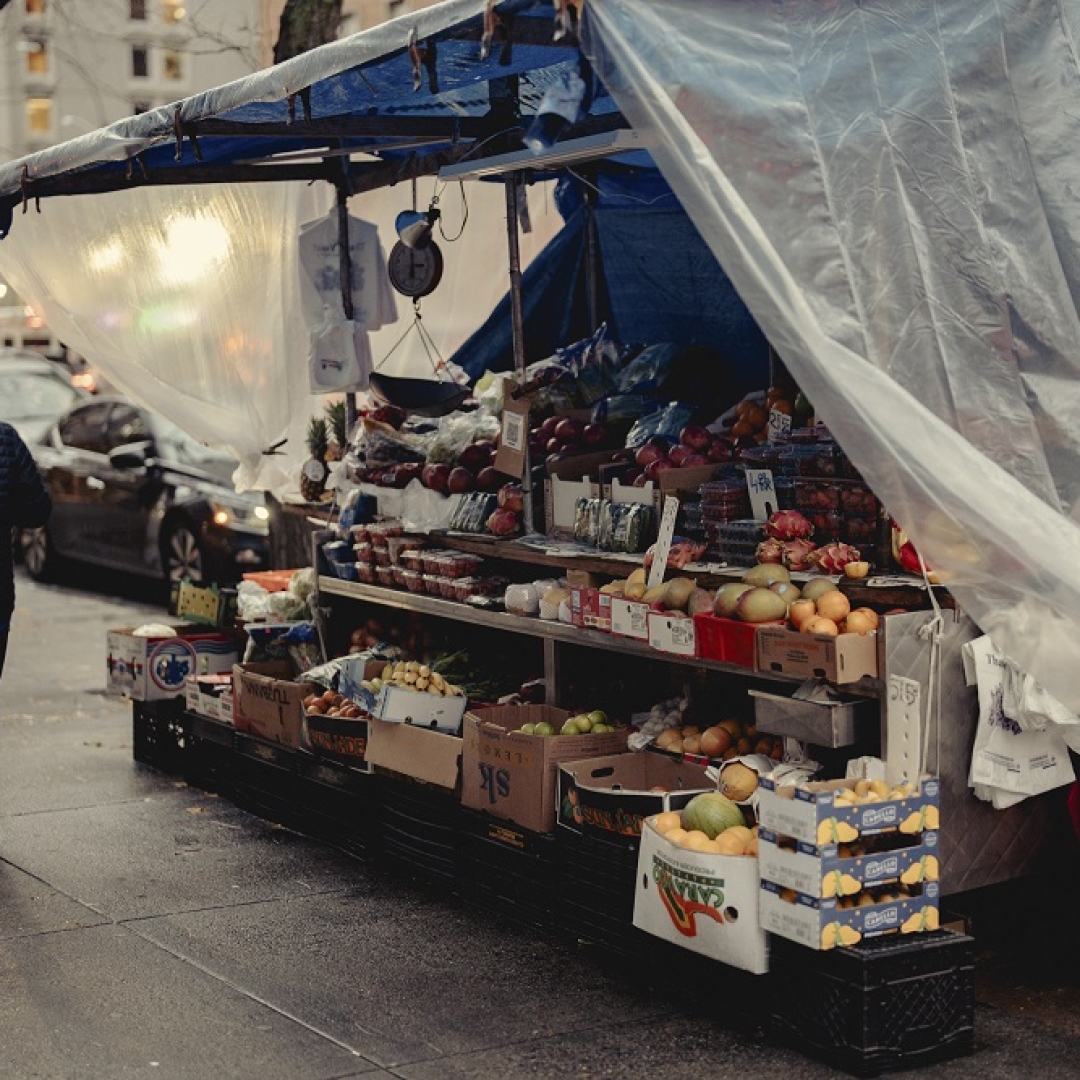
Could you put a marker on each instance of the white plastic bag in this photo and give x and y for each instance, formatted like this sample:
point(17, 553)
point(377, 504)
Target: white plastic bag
point(1009, 763)
point(332, 362)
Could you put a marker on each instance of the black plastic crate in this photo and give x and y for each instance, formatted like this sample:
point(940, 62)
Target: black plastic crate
point(892, 1002)
point(595, 882)
point(506, 868)
point(159, 734)
point(417, 827)
point(335, 803)
point(264, 779)
point(209, 760)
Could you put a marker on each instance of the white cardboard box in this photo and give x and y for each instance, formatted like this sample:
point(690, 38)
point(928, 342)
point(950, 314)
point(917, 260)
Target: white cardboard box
point(672, 633)
point(402, 706)
point(152, 668)
point(704, 902)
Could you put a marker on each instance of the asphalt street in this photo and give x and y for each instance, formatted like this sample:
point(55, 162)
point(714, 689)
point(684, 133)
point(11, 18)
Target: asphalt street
point(150, 929)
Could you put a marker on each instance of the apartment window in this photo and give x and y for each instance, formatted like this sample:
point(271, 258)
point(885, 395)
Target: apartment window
point(140, 61)
point(37, 58)
point(140, 107)
point(137, 10)
point(172, 64)
point(172, 11)
point(35, 7)
point(394, 8)
point(39, 116)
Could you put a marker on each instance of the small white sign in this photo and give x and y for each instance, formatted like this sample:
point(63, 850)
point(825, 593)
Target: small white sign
point(903, 711)
point(759, 483)
point(513, 431)
point(663, 541)
point(779, 426)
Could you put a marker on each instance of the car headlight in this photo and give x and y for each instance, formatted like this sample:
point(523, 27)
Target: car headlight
point(252, 515)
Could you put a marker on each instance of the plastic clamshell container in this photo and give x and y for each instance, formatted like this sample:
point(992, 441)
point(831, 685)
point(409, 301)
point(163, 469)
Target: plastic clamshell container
point(382, 555)
point(381, 531)
point(432, 584)
point(413, 580)
point(459, 564)
point(365, 553)
point(366, 572)
point(385, 575)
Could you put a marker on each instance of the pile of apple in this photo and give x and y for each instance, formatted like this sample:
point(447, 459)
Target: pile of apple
point(697, 446)
point(590, 723)
point(475, 471)
point(560, 437)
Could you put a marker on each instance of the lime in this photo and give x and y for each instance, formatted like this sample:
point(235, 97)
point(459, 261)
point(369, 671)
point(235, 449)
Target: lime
point(570, 728)
point(598, 716)
point(584, 724)
point(543, 728)
point(528, 729)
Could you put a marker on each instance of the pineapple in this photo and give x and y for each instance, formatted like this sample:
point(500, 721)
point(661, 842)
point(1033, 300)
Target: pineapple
point(314, 472)
point(337, 417)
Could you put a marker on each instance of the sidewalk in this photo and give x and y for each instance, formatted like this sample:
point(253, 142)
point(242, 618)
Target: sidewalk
point(148, 929)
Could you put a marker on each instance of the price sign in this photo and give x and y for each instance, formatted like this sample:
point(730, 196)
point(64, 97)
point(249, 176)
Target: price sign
point(903, 716)
point(663, 542)
point(779, 426)
point(759, 483)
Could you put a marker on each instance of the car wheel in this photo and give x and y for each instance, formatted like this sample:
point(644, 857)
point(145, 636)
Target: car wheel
point(39, 555)
point(182, 556)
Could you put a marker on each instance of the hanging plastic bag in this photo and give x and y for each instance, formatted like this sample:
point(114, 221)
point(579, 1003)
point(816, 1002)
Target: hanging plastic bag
point(332, 362)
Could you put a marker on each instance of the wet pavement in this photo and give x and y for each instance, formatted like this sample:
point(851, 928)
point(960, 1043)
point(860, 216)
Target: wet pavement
point(151, 929)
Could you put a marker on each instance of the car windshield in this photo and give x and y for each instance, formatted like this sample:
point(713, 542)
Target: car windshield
point(178, 446)
point(28, 395)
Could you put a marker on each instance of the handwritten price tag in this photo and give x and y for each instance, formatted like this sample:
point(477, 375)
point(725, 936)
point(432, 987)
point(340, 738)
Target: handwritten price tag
point(759, 483)
point(663, 541)
point(779, 426)
point(903, 711)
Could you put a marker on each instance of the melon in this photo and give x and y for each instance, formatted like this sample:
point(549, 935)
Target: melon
point(711, 813)
point(738, 781)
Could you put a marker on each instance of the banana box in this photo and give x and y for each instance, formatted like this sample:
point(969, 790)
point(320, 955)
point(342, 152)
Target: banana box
point(842, 811)
point(847, 869)
point(835, 922)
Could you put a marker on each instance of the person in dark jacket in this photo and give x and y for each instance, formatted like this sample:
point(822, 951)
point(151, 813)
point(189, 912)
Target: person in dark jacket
point(24, 503)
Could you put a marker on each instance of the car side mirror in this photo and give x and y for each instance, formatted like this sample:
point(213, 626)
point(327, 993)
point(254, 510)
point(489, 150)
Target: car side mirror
point(135, 455)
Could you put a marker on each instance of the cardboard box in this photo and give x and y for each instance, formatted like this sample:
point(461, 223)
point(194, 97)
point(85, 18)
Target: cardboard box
point(616, 794)
point(830, 870)
point(210, 696)
point(843, 659)
point(417, 752)
point(702, 902)
point(337, 738)
point(514, 776)
point(630, 618)
point(813, 816)
point(675, 481)
point(590, 609)
point(672, 633)
point(560, 497)
point(399, 705)
point(153, 668)
point(820, 923)
point(354, 670)
point(268, 703)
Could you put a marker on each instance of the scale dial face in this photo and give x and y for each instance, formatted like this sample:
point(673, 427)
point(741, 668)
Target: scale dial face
point(415, 271)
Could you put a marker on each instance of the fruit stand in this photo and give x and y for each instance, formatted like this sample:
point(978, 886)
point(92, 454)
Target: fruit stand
point(565, 555)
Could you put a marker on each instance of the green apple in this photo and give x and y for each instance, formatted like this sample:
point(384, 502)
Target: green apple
point(584, 724)
point(543, 728)
point(528, 729)
point(570, 728)
point(598, 716)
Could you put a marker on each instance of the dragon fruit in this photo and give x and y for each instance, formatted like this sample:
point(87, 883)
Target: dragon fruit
point(831, 558)
point(797, 554)
point(788, 525)
point(770, 551)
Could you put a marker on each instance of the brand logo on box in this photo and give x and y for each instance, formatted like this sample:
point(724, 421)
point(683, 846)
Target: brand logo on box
point(885, 815)
point(687, 894)
point(619, 821)
point(171, 663)
point(880, 868)
point(876, 920)
point(496, 782)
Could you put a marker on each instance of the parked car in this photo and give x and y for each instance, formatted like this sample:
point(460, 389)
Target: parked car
point(34, 392)
point(131, 490)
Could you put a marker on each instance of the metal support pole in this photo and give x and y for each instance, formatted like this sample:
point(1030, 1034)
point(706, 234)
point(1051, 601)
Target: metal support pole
point(592, 261)
point(345, 274)
point(518, 326)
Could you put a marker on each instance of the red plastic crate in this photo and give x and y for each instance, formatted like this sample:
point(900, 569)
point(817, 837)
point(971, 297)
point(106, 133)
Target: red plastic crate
point(725, 639)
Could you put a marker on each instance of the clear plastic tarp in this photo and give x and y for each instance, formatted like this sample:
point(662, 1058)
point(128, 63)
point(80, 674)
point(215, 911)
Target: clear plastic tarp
point(189, 298)
point(892, 186)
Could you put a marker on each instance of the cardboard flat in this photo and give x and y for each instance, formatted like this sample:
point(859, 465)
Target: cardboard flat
point(560, 497)
point(510, 458)
point(153, 668)
point(630, 618)
point(702, 902)
point(615, 794)
point(402, 706)
point(672, 633)
point(514, 776)
point(843, 659)
point(337, 738)
point(417, 752)
point(268, 703)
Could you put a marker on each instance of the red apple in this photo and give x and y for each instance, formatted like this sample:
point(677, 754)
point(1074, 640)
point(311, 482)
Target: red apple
point(695, 461)
point(650, 451)
point(553, 445)
point(503, 522)
point(438, 477)
point(568, 449)
point(511, 498)
point(488, 479)
point(569, 430)
point(460, 480)
point(475, 456)
point(594, 434)
point(547, 428)
point(654, 468)
point(695, 436)
point(679, 454)
point(719, 451)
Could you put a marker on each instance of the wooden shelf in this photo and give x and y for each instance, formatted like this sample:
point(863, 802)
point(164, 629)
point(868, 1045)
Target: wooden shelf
point(546, 629)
